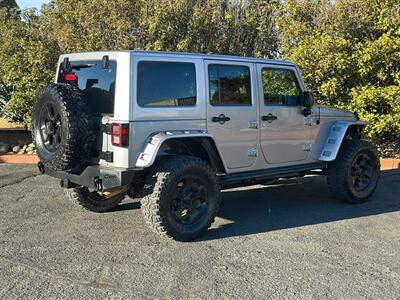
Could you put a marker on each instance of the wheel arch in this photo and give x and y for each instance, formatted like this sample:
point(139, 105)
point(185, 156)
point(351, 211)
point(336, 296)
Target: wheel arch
point(354, 131)
point(329, 143)
point(199, 144)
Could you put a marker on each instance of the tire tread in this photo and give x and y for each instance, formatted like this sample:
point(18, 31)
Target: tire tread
point(77, 141)
point(154, 192)
point(337, 170)
point(83, 199)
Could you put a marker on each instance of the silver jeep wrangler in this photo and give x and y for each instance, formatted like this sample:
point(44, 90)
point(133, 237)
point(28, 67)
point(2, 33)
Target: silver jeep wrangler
point(175, 128)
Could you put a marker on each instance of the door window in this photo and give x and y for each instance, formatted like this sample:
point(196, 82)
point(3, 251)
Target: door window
point(166, 84)
point(280, 87)
point(229, 85)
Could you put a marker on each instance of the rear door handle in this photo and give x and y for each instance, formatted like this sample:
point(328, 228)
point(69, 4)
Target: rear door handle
point(269, 118)
point(221, 119)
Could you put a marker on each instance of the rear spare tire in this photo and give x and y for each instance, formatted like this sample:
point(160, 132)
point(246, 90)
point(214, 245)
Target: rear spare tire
point(61, 127)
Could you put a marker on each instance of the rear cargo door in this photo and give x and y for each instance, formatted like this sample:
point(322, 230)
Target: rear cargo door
point(98, 87)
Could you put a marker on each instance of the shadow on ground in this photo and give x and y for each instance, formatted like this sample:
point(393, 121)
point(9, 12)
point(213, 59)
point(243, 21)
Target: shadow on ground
point(300, 203)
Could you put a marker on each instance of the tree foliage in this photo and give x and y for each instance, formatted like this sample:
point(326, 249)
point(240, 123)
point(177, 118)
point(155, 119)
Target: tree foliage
point(349, 53)
point(31, 41)
point(27, 60)
point(348, 50)
point(8, 4)
point(205, 26)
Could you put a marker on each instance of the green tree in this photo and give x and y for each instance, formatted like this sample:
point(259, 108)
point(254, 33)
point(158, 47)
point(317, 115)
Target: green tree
point(206, 26)
point(90, 25)
point(27, 59)
point(349, 53)
point(7, 4)
point(31, 41)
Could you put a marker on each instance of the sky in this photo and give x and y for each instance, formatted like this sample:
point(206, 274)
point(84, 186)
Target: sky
point(31, 3)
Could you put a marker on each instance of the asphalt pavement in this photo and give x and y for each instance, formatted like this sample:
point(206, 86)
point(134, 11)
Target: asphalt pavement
point(279, 241)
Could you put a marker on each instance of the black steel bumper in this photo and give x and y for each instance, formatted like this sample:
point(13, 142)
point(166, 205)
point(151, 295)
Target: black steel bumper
point(97, 177)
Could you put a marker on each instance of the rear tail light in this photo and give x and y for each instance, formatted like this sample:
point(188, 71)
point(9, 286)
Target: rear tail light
point(120, 134)
point(70, 77)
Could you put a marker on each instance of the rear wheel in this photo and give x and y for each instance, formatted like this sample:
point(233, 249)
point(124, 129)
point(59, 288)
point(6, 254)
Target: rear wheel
point(354, 175)
point(181, 197)
point(92, 200)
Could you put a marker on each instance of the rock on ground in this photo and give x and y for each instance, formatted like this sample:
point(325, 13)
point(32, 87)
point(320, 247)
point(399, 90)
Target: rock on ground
point(16, 149)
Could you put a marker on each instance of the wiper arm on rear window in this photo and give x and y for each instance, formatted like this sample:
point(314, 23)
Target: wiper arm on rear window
point(82, 66)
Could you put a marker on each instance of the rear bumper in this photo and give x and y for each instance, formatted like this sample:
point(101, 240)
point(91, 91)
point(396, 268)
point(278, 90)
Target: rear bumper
point(96, 177)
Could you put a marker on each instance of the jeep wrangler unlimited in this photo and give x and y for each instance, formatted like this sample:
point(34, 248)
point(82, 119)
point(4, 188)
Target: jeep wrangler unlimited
point(174, 129)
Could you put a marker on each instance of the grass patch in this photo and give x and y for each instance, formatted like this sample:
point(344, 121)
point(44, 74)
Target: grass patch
point(6, 124)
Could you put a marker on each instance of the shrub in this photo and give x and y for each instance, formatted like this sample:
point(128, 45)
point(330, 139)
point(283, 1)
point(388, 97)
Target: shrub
point(380, 106)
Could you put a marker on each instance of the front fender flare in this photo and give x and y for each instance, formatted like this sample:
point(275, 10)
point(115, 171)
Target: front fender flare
point(330, 143)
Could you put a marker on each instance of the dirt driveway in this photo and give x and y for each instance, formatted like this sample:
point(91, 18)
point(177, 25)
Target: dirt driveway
point(281, 241)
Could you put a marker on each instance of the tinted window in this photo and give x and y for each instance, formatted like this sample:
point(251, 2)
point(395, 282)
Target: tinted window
point(229, 85)
point(166, 84)
point(97, 84)
point(280, 87)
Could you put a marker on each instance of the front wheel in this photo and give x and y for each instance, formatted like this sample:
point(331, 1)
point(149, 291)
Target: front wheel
point(181, 197)
point(354, 175)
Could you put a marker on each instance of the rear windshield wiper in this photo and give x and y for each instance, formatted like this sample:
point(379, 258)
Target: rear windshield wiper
point(82, 66)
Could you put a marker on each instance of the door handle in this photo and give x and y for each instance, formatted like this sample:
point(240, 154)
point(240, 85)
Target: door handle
point(221, 119)
point(269, 118)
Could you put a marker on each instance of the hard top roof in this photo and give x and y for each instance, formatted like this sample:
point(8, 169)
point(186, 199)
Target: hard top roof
point(196, 55)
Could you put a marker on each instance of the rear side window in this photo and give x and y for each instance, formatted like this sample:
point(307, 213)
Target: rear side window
point(229, 85)
point(96, 83)
point(280, 87)
point(166, 84)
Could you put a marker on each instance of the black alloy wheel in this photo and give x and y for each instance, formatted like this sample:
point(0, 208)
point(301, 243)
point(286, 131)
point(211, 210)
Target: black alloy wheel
point(50, 127)
point(189, 201)
point(361, 172)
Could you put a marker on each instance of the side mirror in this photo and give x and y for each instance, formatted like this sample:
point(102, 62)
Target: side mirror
point(308, 100)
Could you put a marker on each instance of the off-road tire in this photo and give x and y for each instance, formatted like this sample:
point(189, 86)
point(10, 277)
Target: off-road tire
point(159, 183)
point(93, 201)
point(76, 133)
point(339, 172)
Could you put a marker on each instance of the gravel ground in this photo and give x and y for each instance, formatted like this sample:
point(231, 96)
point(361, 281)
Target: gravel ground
point(280, 241)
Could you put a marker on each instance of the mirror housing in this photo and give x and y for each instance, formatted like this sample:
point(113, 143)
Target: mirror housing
point(308, 100)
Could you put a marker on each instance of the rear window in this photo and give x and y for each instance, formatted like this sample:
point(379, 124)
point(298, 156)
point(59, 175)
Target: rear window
point(166, 84)
point(97, 84)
